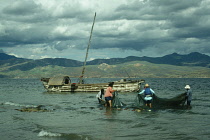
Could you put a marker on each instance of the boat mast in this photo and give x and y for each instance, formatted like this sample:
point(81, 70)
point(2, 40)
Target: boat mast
point(83, 70)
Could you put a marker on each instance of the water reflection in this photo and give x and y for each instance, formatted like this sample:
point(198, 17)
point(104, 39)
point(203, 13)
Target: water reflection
point(108, 112)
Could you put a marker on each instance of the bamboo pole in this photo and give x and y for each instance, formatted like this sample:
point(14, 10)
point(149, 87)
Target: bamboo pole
point(83, 70)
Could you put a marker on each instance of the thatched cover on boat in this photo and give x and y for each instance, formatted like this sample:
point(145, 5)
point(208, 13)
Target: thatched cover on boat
point(60, 80)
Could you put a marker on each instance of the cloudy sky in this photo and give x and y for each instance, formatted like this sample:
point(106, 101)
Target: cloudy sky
point(38, 29)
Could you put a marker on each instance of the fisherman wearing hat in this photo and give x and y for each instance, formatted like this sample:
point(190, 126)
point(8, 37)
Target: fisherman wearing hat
point(188, 95)
point(148, 92)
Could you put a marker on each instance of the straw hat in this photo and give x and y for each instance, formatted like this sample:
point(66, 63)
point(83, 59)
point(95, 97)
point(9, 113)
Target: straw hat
point(146, 85)
point(187, 87)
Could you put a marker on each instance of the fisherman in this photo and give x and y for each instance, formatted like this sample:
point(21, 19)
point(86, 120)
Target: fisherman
point(108, 94)
point(148, 93)
point(100, 95)
point(188, 95)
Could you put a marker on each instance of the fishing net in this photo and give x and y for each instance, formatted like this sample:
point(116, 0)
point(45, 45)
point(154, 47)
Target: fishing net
point(116, 101)
point(157, 102)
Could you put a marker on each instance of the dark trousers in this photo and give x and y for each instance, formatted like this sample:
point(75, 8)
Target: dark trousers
point(188, 103)
point(99, 101)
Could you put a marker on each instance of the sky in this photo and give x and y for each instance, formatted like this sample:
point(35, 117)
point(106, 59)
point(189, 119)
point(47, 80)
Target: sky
point(37, 29)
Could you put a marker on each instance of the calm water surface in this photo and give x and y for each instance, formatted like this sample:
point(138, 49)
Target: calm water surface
point(77, 116)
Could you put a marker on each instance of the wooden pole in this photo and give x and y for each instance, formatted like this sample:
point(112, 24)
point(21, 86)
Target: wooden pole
point(83, 70)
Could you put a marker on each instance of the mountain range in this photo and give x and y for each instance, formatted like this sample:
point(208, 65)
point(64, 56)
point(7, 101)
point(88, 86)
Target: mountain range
point(13, 67)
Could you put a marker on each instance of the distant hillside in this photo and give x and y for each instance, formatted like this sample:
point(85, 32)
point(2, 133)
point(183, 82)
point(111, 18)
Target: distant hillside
point(174, 65)
point(192, 59)
point(141, 69)
point(28, 64)
point(4, 56)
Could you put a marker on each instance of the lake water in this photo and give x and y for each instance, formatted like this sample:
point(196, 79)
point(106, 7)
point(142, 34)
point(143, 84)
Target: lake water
point(78, 116)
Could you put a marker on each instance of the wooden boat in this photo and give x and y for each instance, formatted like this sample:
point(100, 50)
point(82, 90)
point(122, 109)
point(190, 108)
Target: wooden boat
point(63, 83)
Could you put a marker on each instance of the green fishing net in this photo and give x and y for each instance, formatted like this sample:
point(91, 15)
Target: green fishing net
point(116, 102)
point(157, 102)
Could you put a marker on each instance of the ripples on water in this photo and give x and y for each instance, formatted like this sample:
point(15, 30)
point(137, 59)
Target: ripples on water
point(78, 116)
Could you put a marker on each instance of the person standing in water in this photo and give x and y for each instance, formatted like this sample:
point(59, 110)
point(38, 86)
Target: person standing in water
point(108, 94)
point(148, 93)
point(188, 95)
point(99, 96)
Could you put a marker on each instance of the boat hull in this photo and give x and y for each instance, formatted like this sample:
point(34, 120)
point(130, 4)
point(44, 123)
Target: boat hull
point(121, 86)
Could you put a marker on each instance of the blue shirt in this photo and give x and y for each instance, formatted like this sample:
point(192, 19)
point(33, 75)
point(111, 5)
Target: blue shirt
point(144, 91)
point(189, 95)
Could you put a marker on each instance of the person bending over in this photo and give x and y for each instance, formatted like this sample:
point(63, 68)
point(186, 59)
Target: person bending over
point(99, 96)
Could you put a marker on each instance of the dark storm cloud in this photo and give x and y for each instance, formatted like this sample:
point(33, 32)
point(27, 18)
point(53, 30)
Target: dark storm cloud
point(18, 22)
point(21, 8)
point(26, 22)
point(140, 25)
point(180, 20)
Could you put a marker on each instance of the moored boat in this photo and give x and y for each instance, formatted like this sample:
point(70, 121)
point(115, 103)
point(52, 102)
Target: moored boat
point(64, 84)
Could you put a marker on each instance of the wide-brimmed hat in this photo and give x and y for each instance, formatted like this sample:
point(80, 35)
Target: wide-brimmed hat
point(146, 85)
point(187, 87)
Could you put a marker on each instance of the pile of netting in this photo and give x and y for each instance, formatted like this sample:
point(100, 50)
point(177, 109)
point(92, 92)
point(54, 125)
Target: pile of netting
point(116, 101)
point(175, 102)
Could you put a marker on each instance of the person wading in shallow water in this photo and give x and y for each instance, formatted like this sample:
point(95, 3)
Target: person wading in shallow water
point(108, 95)
point(100, 95)
point(148, 93)
point(188, 95)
